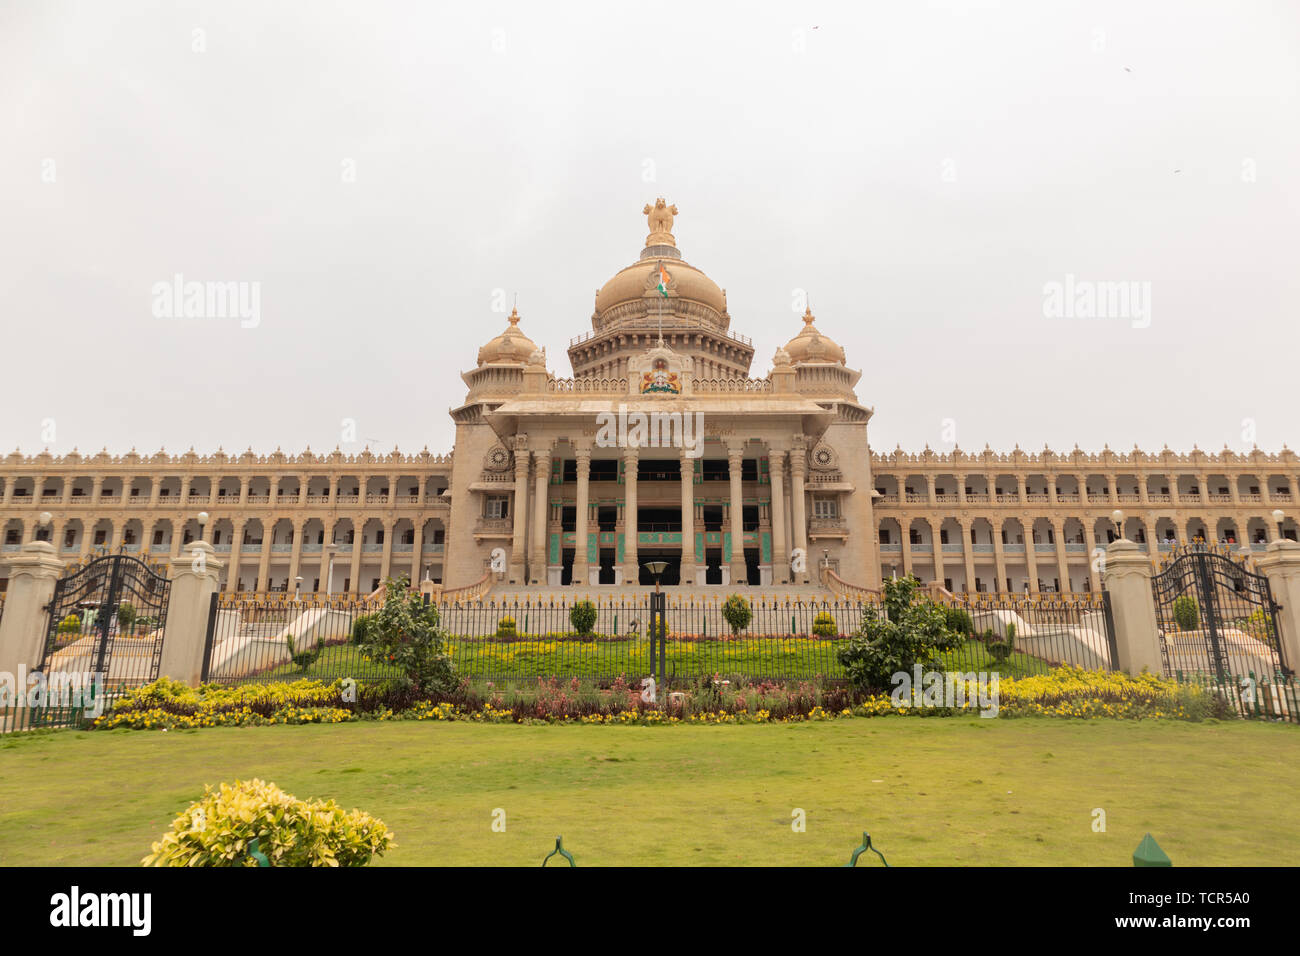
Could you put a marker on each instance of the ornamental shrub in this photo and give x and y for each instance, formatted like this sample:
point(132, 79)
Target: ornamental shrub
point(583, 616)
point(737, 613)
point(406, 633)
point(303, 659)
point(217, 830)
point(70, 625)
point(1001, 650)
point(125, 616)
point(824, 624)
point(506, 627)
point(911, 631)
point(959, 620)
point(360, 627)
point(1186, 613)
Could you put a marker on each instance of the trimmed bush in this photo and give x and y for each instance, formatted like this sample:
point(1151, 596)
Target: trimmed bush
point(218, 829)
point(1186, 613)
point(737, 613)
point(303, 659)
point(1001, 650)
point(824, 625)
point(506, 627)
point(583, 616)
point(126, 616)
point(70, 625)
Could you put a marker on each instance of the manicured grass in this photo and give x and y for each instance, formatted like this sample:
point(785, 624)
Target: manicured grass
point(930, 791)
point(789, 658)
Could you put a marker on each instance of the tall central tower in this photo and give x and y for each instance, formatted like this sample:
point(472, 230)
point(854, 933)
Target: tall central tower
point(661, 290)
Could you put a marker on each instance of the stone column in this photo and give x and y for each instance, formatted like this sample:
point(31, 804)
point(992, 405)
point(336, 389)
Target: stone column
point(358, 549)
point(581, 566)
point(936, 549)
point(236, 543)
point(1281, 564)
point(263, 582)
point(1031, 556)
point(32, 573)
point(1127, 576)
point(967, 554)
point(780, 557)
point(631, 564)
point(519, 544)
point(195, 577)
point(1090, 541)
point(798, 471)
point(541, 510)
point(1062, 561)
point(386, 559)
point(417, 548)
point(688, 520)
point(736, 556)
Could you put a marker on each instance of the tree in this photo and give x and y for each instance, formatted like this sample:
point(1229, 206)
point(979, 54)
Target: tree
point(907, 633)
point(406, 632)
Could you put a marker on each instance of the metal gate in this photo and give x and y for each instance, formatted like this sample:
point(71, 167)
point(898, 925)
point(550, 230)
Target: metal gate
point(106, 617)
point(1216, 617)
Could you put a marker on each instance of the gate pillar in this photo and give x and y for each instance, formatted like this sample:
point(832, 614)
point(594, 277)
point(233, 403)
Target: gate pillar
point(1281, 565)
point(23, 627)
point(1127, 576)
point(195, 577)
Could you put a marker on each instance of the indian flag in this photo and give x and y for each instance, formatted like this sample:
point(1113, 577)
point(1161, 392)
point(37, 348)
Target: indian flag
point(663, 281)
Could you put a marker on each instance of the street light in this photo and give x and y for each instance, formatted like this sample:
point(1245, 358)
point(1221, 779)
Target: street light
point(202, 517)
point(1117, 516)
point(656, 568)
point(43, 520)
point(297, 588)
point(1278, 516)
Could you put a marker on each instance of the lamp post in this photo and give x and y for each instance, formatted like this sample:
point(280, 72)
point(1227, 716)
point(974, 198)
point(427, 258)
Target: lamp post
point(1279, 515)
point(330, 550)
point(202, 518)
point(658, 626)
point(44, 519)
point(1117, 516)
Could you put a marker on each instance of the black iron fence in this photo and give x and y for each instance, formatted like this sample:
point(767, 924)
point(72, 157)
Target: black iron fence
point(253, 640)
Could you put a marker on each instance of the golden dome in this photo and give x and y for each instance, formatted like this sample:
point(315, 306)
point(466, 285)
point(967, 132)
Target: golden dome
point(641, 281)
point(811, 346)
point(510, 346)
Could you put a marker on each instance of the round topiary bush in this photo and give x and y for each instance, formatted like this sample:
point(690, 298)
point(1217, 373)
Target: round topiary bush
point(583, 616)
point(70, 625)
point(506, 627)
point(1186, 614)
point(220, 829)
point(737, 613)
point(824, 624)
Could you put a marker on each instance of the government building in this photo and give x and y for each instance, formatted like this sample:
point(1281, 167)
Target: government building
point(663, 449)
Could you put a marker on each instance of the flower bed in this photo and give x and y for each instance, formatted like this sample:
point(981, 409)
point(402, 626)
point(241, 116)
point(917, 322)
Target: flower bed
point(1065, 692)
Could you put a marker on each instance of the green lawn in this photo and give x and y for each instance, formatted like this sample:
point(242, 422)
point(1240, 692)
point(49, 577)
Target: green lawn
point(930, 791)
point(790, 658)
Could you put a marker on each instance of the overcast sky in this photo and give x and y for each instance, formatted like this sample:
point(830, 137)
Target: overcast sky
point(390, 175)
